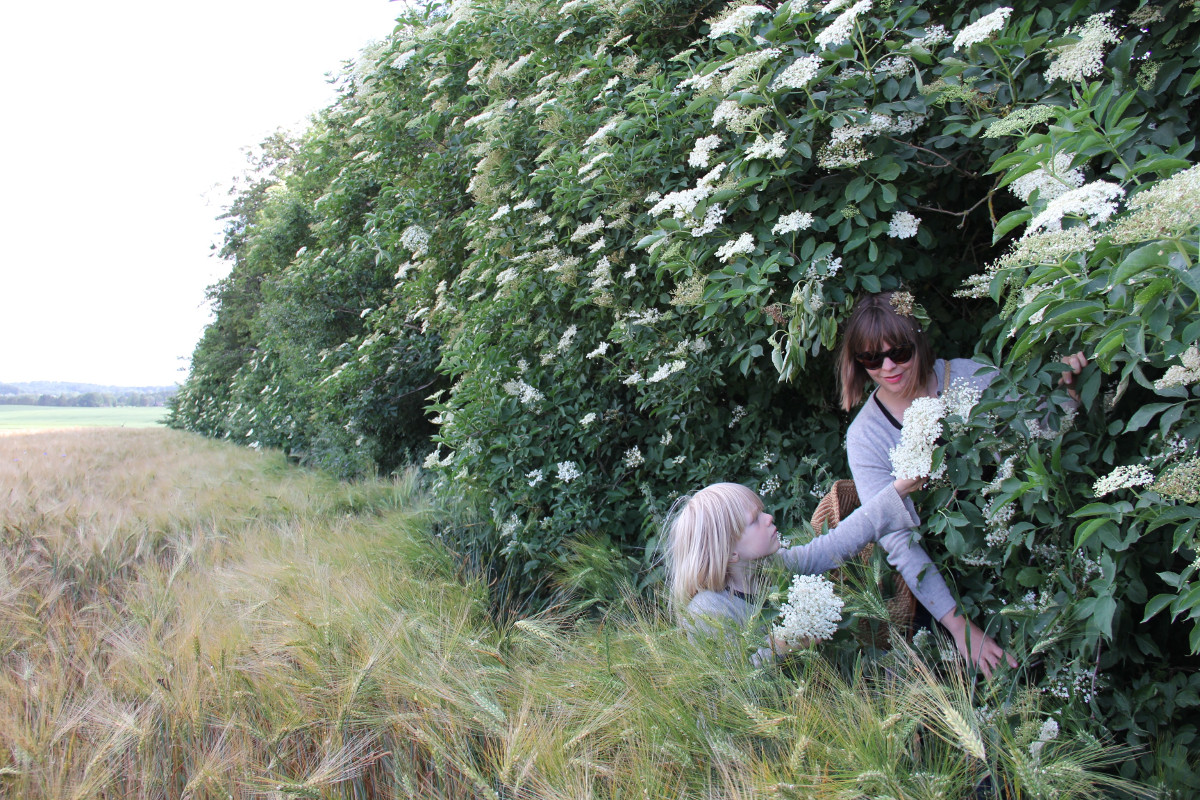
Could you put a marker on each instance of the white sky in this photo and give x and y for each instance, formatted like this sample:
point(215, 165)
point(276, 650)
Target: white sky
point(123, 123)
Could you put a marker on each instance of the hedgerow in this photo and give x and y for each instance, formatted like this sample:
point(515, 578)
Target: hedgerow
point(629, 232)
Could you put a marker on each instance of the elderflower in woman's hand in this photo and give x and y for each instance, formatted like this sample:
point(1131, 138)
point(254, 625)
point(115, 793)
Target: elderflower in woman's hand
point(812, 611)
point(913, 457)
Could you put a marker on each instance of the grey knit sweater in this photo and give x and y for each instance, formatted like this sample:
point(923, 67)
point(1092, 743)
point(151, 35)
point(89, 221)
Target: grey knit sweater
point(721, 611)
point(870, 437)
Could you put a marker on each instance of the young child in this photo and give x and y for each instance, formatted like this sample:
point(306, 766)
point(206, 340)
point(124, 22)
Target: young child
point(716, 536)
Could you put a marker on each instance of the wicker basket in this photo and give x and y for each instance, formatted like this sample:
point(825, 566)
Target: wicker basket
point(836, 505)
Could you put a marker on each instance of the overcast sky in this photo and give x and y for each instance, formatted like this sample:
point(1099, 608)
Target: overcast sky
point(124, 122)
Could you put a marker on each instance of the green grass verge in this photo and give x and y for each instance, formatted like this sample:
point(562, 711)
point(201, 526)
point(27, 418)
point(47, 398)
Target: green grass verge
point(41, 418)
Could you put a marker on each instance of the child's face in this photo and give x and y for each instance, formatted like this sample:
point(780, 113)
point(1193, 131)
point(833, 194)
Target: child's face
point(760, 538)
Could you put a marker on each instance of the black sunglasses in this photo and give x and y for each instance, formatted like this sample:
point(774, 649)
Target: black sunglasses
point(900, 354)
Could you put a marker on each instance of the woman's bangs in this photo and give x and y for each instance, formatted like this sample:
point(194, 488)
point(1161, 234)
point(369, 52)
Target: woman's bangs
point(875, 327)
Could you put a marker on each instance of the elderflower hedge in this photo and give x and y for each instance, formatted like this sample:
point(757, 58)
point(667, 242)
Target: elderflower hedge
point(629, 233)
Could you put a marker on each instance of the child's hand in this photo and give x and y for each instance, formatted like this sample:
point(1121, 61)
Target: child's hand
point(781, 647)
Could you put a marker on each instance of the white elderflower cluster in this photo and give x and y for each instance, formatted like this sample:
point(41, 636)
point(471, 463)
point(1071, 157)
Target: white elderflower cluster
point(587, 419)
point(666, 370)
point(734, 20)
point(650, 316)
point(1095, 202)
point(567, 337)
point(1183, 374)
point(601, 275)
point(913, 456)
point(1049, 183)
point(894, 67)
point(934, 35)
point(587, 229)
point(510, 527)
point(845, 146)
point(812, 611)
point(743, 245)
point(534, 476)
point(568, 471)
point(790, 223)
point(702, 151)
point(1076, 62)
point(1169, 209)
point(799, 74)
point(1021, 120)
point(739, 412)
point(502, 211)
point(745, 65)
point(731, 114)
point(713, 218)
point(634, 458)
point(523, 391)
point(681, 204)
point(768, 148)
point(999, 522)
point(415, 239)
point(603, 131)
point(960, 398)
point(1048, 733)
point(433, 461)
point(591, 164)
point(840, 29)
point(770, 486)
point(981, 29)
point(903, 225)
point(600, 350)
point(1050, 247)
point(1125, 477)
point(401, 61)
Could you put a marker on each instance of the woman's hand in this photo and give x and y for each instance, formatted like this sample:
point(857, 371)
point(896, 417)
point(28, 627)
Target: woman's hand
point(1076, 361)
point(975, 645)
point(908, 486)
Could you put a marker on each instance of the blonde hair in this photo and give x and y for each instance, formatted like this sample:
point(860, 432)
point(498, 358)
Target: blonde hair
point(703, 529)
point(874, 321)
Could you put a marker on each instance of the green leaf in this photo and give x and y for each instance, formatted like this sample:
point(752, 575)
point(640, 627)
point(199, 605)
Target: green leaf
point(1141, 418)
point(1137, 262)
point(1157, 604)
point(1011, 220)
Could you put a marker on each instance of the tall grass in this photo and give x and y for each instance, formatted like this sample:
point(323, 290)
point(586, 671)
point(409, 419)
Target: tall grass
point(182, 618)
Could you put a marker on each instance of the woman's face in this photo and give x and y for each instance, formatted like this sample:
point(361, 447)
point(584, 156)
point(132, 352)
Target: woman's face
point(760, 537)
point(892, 378)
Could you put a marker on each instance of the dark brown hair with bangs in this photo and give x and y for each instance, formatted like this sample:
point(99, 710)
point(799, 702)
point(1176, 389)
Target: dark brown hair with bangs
point(873, 322)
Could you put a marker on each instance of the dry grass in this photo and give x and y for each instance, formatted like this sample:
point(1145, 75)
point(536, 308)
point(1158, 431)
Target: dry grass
point(183, 618)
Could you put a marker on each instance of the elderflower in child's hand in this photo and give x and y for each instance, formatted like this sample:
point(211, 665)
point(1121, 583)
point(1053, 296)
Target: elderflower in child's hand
point(913, 457)
point(812, 611)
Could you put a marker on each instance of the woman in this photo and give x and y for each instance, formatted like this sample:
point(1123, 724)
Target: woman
point(884, 345)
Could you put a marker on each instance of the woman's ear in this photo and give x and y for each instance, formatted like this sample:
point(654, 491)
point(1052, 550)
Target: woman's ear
point(733, 557)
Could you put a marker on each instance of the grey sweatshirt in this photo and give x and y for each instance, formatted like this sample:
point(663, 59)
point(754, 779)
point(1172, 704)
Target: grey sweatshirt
point(870, 437)
point(713, 611)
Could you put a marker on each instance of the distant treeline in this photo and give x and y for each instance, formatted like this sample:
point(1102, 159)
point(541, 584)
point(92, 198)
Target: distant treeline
point(82, 395)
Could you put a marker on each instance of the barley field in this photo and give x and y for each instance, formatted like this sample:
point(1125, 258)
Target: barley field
point(41, 418)
point(182, 618)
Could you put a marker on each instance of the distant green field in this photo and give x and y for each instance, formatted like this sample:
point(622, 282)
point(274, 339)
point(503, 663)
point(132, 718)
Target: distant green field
point(37, 418)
